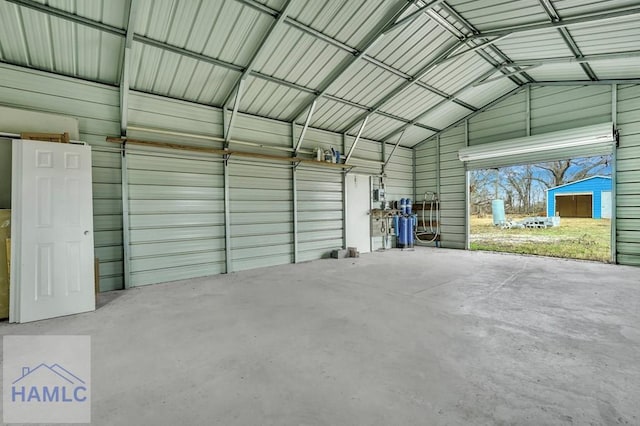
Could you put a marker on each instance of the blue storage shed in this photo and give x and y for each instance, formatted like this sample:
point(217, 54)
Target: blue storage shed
point(590, 197)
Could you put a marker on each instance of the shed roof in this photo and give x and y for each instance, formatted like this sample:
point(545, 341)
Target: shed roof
point(416, 65)
point(578, 181)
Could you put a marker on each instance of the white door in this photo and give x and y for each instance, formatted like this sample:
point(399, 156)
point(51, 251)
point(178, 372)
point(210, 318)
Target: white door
point(52, 239)
point(357, 214)
point(605, 205)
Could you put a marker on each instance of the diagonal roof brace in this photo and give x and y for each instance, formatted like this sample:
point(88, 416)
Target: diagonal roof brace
point(304, 129)
point(356, 140)
point(393, 150)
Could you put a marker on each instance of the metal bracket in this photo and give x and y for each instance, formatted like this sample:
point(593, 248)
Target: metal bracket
point(296, 164)
point(226, 159)
point(124, 148)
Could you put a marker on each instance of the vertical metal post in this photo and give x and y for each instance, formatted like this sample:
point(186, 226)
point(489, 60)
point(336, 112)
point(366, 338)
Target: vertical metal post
point(126, 231)
point(413, 170)
point(439, 195)
point(370, 218)
point(467, 195)
point(614, 158)
point(528, 110)
point(227, 204)
point(294, 186)
point(344, 198)
point(438, 166)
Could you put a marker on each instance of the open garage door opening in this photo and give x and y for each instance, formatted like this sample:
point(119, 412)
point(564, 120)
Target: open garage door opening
point(561, 208)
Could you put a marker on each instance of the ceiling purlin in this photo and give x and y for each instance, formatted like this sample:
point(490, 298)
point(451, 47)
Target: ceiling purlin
point(553, 15)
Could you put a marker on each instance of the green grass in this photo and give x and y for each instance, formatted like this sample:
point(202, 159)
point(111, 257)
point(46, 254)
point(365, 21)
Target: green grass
point(588, 239)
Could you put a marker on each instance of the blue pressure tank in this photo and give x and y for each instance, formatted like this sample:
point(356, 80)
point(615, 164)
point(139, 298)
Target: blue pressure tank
point(403, 205)
point(402, 233)
point(407, 209)
point(409, 232)
point(396, 225)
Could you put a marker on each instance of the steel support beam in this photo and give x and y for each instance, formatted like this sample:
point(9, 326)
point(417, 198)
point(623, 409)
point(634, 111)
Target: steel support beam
point(247, 70)
point(130, 8)
point(227, 206)
point(623, 12)
point(553, 15)
point(294, 190)
point(355, 142)
point(587, 82)
point(528, 110)
point(125, 70)
point(470, 28)
point(236, 105)
point(297, 145)
point(614, 168)
point(578, 60)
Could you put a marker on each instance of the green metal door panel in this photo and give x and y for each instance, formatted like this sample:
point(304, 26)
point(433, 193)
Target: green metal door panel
point(176, 216)
point(261, 197)
point(320, 215)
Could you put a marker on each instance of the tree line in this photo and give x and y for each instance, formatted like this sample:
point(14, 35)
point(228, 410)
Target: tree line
point(523, 188)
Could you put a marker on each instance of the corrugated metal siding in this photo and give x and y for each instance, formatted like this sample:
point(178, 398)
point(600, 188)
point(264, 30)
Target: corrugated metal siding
point(156, 112)
point(226, 30)
point(347, 21)
point(426, 169)
point(96, 108)
point(399, 171)
point(320, 222)
point(293, 54)
point(261, 215)
point(41, 41)
point(484, 93)
point(169, 74)
point(628, 176)
point(332, 115)
point(561, 108)
point(268, 99)
point(394, 50)
point(367, 157)
point(506, 120)
point(176, 214)
point(452, 189)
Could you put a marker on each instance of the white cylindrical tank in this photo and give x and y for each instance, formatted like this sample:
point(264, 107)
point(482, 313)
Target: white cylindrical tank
point(497, 208)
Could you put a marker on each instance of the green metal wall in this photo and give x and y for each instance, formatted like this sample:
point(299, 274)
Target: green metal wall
point(97, 109)
point(628, 176)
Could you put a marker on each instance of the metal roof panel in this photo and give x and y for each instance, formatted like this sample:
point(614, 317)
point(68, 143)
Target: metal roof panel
point(365, 84)
point(444, 115)
point(491, 14)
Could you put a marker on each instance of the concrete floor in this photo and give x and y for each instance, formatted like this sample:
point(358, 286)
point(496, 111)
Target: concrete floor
point(437, 337)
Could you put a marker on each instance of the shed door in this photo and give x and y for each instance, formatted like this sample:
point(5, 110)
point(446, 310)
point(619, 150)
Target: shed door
point(574, 205)
point(52, 251)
